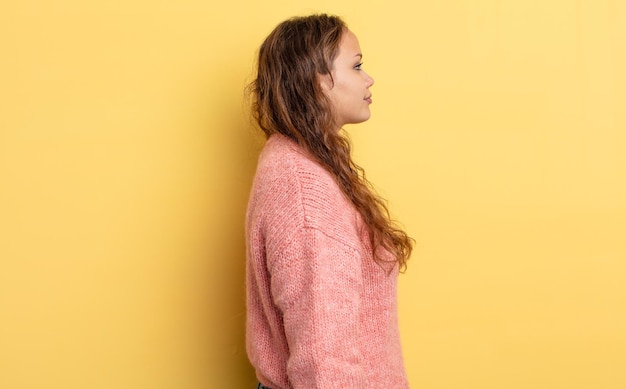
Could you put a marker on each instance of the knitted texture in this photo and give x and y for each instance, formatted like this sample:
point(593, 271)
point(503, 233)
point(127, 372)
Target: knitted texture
point(321, 313)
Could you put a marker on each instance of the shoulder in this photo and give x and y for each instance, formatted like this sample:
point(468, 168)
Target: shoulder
point(282, 160)
point(291, 190)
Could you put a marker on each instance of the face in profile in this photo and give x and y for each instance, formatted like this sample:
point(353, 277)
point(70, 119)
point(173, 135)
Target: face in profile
point(349, 88)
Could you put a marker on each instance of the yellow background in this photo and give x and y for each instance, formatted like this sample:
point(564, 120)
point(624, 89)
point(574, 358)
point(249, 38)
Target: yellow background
point(126, 154)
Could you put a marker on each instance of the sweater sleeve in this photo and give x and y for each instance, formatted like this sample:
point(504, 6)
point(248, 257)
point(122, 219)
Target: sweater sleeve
point(316, 282)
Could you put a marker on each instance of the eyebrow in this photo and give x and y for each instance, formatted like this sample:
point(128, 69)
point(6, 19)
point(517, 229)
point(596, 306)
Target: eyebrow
point(359, 55)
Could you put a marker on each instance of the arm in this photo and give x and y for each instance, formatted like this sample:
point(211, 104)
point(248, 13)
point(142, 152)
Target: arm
point(316, 283)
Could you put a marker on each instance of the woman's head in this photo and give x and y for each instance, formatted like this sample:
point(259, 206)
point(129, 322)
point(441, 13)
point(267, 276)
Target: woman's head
point(309, 79)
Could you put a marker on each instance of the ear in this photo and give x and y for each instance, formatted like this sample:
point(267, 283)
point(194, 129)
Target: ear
point(326, 81)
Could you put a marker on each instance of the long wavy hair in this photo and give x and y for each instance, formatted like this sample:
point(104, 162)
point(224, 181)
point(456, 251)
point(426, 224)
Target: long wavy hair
point(287, 98)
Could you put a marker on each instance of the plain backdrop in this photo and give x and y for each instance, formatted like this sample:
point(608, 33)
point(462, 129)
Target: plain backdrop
point(126, 155)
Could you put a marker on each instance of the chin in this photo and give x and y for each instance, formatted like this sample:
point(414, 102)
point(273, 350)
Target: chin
point(357, 119)
point(364, 119)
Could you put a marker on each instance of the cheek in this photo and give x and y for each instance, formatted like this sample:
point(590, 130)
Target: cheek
point(348, 91)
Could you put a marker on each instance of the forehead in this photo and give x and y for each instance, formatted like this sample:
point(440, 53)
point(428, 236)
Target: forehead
point(349, 45)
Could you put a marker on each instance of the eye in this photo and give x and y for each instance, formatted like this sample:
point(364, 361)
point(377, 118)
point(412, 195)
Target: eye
point(358, 66)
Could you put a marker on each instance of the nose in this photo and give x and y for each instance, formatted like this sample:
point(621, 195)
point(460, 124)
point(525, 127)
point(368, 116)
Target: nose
point(368, 80)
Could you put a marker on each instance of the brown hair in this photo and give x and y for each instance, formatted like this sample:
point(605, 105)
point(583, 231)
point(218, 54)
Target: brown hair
point(288, 99)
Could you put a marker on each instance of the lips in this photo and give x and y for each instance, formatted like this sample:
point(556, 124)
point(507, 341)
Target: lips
point(368, 99)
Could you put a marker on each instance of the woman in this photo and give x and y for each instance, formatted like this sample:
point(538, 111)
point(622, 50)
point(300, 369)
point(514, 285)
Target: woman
point(322, 254)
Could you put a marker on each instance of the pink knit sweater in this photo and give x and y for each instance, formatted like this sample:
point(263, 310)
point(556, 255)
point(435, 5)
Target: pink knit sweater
point(320, 312)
